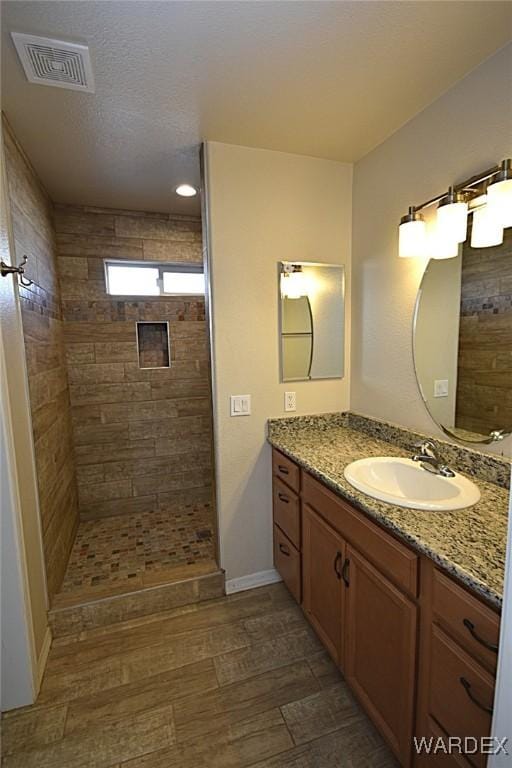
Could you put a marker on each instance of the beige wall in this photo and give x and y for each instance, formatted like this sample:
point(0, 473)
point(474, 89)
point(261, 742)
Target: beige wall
point(33, 229)
point(469, 128)
point(142, 437)
point(264, 207)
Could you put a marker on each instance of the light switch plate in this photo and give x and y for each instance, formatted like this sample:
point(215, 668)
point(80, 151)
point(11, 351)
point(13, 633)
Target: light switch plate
point(290, 401)
point(441, 388)
point(240, 405)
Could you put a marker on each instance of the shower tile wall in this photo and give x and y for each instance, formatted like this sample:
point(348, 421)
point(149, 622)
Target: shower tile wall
point(484, 397)
point(32, 223)
point(142, 437)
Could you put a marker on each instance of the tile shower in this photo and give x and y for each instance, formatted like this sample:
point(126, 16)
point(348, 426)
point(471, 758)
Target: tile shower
point(135, 393)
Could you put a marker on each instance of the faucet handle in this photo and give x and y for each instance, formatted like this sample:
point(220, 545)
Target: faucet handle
point(427, 448)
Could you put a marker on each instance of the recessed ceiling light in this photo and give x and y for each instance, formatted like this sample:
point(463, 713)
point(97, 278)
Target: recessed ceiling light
point(186, 190)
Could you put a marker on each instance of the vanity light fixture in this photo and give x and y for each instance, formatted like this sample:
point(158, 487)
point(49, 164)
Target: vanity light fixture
point(492, 213)
point(487, 229)
point(293, 281)
point(186, 190)
point(412, 235)
point(452, 216)
point(499, 194)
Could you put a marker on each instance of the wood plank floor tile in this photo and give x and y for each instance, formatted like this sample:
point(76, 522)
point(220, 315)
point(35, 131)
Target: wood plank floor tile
point(279, 622)
point(103, 746)
point(194, 717)
point(278, 652)
point(183, 649)
point(237, 746)
point(320, 713)
point(355, 746)
point(324, 669)
point(194, 681)
point(32, 728)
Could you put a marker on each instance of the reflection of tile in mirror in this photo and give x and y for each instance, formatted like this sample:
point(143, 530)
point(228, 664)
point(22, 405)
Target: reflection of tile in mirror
point(153, 345)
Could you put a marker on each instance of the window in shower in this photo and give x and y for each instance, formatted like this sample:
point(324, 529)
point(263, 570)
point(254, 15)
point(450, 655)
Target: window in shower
point(135, 278)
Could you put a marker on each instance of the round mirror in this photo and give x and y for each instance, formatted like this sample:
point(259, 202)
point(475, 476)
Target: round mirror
point(462, 342)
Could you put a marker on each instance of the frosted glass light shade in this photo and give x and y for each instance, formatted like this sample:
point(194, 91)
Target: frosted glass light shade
point(294, 285)
point(412, 236)
point(452, 221)
point(487, 229)
point(440, 247)
point(499, 200)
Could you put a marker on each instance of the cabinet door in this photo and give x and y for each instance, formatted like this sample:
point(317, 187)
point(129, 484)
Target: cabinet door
point(323, 554)
point(380, 651)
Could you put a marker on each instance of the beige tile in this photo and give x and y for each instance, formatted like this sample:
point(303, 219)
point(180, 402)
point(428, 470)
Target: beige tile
point(268, 655)
point(97, 247)
point(93, 510)
point(73, 268)
point(62, 686)
point(180, 369)
point(32, 728)
point(83, 394)
point(74, 221)
point(91, 434)
point(198, 477)
point(80, 354)
point(119, 489)
point(122, 351)
point(320, 713)
point(98, 373)
point(153, 228)
point(173, 250)
point(76, 332)
point(218, 709)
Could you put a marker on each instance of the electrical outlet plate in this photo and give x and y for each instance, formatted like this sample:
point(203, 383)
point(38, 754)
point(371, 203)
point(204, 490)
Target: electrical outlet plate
point(441, 388)
point(290, 401)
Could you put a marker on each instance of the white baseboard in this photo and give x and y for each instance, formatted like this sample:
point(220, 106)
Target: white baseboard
point(252, 580)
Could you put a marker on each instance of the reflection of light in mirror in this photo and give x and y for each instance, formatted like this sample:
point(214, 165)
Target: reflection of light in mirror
point(439, 245)
point(487, 229)
point(294, 284)
point(500, 201)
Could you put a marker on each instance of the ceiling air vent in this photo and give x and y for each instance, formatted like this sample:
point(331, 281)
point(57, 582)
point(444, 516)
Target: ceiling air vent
point(54, 62)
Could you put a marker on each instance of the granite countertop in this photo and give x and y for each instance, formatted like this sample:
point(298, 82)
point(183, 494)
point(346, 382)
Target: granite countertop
point(469, 543)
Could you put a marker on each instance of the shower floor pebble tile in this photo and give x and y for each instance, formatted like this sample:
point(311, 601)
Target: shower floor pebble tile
point(119, 549)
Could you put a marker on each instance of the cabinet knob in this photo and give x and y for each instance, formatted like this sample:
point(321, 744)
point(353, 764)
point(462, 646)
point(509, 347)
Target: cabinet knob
point(284, 549)
point(282, 469)
point(345, 572)
point(337, 560)
point(283, 497)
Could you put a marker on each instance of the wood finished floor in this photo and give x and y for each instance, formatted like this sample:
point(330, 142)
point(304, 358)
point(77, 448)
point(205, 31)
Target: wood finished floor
point(233, 682)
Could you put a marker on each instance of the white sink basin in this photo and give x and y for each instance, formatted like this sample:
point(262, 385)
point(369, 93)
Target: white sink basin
point(404, 483)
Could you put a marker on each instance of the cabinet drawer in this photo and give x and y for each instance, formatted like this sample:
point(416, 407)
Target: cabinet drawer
point(286, 470)
point(475, 626)
point(287, 511)
point(461, 692)
point(395, 560)
point(436, 739)
point(287, 562)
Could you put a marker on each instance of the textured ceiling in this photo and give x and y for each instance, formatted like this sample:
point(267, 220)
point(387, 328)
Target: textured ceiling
point(328, 79)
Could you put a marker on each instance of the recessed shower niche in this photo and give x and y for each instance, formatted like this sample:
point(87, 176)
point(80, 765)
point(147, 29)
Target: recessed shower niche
point(153, 344)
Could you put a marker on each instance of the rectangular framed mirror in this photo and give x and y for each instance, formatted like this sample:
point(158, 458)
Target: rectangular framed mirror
point(311, 320)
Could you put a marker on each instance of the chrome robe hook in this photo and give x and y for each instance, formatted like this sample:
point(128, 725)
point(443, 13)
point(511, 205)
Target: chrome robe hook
point(6, 269)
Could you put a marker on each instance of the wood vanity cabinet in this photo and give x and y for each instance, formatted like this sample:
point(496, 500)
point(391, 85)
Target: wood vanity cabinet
point(418, 649)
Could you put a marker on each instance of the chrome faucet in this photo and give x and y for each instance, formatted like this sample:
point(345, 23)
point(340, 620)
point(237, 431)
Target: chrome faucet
point(430, 459)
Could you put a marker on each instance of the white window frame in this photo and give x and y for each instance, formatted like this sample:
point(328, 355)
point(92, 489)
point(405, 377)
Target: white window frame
point(162, 266)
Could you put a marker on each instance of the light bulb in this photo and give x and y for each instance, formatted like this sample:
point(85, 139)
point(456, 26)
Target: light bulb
point(186, 190)
point(499, 200)
point(487, 229)
point(452, 217)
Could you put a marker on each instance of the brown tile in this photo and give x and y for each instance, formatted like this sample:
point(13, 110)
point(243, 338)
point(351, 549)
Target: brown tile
point(122, 450)
point(91, 434)
point(80, 354)
point(149, 693)
point(119, 489)
point(104, 745)
point(263, 735)
point(320, 713)
point(75, 221)
point(324, 669)
point(219, 708)
point(122, 351)
point(73, 268)
point(357, 745)
point(98, 247)
point(83, 394)
point(31, 728)
point(112, 507)
point(153, 228)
